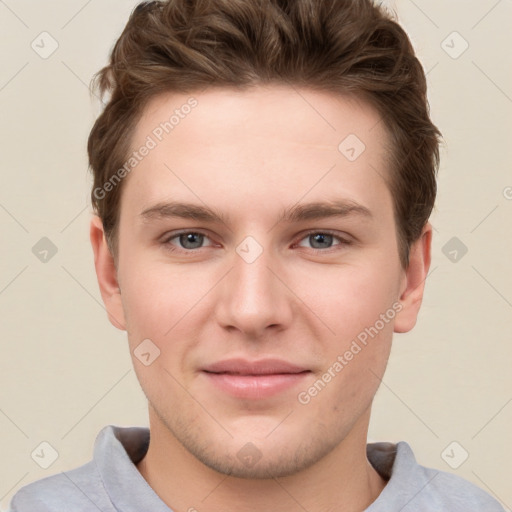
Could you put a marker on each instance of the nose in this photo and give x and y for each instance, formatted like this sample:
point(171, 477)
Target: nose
point(254, 297)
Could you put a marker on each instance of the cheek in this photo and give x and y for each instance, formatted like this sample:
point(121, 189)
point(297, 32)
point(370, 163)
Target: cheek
point(156, 296)
point(350, 378)
point(358, 308)
point(351, 298)
point(169, 306)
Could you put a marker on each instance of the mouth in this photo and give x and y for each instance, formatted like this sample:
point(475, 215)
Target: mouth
point(254, 379)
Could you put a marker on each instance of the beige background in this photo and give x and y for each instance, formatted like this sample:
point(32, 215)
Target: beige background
point(65, 371)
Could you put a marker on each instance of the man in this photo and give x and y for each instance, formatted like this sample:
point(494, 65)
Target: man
point(264, 172)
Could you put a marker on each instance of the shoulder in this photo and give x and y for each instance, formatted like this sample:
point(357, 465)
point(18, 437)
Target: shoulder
point(83, 488)
point(456, 493)
point(79, 490)
point(440, 490)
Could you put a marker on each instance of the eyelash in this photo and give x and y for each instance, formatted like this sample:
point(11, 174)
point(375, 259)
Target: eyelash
point(342, 241)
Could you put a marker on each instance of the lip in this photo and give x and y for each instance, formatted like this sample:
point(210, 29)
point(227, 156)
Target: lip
point(254, 379)
point(260, 367)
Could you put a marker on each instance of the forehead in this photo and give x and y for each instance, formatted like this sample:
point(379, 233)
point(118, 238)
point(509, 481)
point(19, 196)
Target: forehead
point(309, 116)
point(261, 146)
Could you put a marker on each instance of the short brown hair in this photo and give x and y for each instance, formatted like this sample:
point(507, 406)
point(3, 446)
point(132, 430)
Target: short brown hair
point(342, 46)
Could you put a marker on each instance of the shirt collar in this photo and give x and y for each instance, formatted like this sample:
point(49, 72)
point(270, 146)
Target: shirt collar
point(117, 450)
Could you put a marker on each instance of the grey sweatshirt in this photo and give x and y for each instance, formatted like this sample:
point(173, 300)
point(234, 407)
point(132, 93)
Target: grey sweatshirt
point(111, 482)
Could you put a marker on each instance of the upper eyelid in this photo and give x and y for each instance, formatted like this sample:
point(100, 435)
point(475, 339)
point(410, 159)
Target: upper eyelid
point(343, 240)
point(174, 234)
point(170, 236)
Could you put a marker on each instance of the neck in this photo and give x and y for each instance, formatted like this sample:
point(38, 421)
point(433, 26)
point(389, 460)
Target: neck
point(343, 480)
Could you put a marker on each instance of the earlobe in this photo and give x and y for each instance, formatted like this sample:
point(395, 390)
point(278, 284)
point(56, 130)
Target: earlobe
point(411, 293)
point(106, 274)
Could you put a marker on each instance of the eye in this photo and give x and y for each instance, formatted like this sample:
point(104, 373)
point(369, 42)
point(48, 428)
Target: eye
point(190, 241)
point(323, 240)
point(186, 240)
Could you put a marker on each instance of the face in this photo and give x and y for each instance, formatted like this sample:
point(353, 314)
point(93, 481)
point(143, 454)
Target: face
point(258, 259)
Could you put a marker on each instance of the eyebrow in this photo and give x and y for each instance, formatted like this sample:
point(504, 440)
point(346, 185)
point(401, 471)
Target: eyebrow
point(295, 213)
point(322, 210)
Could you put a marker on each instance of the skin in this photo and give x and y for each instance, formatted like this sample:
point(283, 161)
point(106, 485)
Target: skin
point(250, 155)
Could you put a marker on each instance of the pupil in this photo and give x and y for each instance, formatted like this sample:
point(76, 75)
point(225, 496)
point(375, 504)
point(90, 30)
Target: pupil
point(321, 238)
point(191, 240)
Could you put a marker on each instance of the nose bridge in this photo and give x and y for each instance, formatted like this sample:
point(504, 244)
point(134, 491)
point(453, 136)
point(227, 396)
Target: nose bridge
point(253, 297)
point(253, 279)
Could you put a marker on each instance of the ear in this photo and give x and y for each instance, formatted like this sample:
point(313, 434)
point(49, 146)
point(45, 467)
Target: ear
point(107, 274)
point(413, 284)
